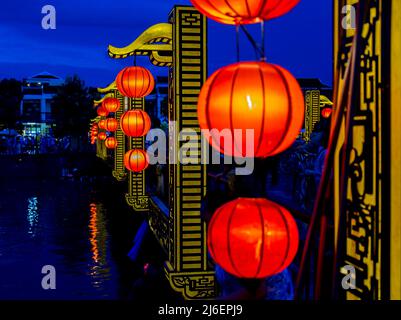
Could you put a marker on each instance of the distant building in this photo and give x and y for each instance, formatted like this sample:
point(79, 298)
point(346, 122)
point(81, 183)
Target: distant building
point(37, 103)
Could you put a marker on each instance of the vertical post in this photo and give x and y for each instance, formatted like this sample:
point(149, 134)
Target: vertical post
point(187, 268)
point(395, 246)
point(136, 196)
point(119, 168)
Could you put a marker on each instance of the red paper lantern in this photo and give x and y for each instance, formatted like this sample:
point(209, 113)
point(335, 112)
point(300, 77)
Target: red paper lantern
point(135, 82)
point(136, 160)
point(102, 124)
point(252, 238)
point(326, 112)
point(111, 125)
point(135, 123)
point(110, 143)
point(111, 104)
point(102, 112)
point(251, 95)
point(244, 11)
point(102, 136)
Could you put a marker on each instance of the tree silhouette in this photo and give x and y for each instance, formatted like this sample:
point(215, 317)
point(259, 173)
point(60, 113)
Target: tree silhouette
point(73, 108)
point(10, 99)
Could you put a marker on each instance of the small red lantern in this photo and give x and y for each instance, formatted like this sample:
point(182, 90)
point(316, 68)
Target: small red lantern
point(244, 11)
point(252, 238)
point(102, 136)
point(326, 112)
point(136, 160)
point(135, 82)
point(135, 123)
point(111, 104)
point(111, 125)
point(102, 112)
point(102, 124)
point(110, 143)
point(254, 96)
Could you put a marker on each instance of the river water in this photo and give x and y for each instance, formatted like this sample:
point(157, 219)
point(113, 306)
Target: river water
point(83, 229)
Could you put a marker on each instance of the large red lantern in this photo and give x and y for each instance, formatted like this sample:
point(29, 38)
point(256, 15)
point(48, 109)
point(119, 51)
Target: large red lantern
point(252, 238)
point(102, 136)
point(135, 82)
point(258, 96)
point(136, 160)
point(110, 143)
point(244, 11)
point(102, 124)
point(111, 104)
point(326, 112)
point(111, 125)
point(102, 112)
point(135, 123)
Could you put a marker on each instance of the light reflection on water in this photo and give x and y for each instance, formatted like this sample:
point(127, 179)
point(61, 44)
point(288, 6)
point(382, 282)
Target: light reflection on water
point(55, 223)
point(32, 215)
point(99, 269)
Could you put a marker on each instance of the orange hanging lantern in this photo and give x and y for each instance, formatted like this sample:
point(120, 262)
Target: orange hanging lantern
point(135, 123)
point(135, 82)
point(252, 238)
point(111, 125)
point(102, 136)
point(258, 96)
point(244, 11)
point(136, 160)
point(326, 112)
point(102, 112)
point(102, 124)
point(110, 143)
point(111, 104)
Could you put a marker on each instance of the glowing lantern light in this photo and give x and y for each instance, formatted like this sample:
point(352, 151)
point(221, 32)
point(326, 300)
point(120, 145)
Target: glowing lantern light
point(251, 95)
point(102, 112)
point(135, 123)
point(136, 160)
point(110, 143)
point(252, 238)
point(244, 11)
point(135, 82)
point(111, 125)
point(102, 124)
point(111, 104)
point(326, 112)
point(102, 136)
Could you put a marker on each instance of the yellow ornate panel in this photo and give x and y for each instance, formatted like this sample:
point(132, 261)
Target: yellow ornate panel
point(136, 196)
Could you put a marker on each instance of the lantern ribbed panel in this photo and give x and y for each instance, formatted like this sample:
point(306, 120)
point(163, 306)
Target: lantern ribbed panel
point(135, 123)
point(135, 82)
point(102, 136)
point(244, 11)
point(136, 160)
point(252, 95)
point(110, 143)
point(252, 238)
point(102, 112)
point(111, 125)
point(111, 104)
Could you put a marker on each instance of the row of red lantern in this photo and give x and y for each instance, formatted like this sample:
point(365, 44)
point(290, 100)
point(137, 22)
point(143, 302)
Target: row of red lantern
point(251, 238)
point(134, 123)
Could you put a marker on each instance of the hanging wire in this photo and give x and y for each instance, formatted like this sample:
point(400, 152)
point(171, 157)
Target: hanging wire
point(263, 44)
point(237, 42)
point(258, 50)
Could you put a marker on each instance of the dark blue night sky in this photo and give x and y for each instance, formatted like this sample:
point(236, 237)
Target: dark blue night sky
point(300, 41)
